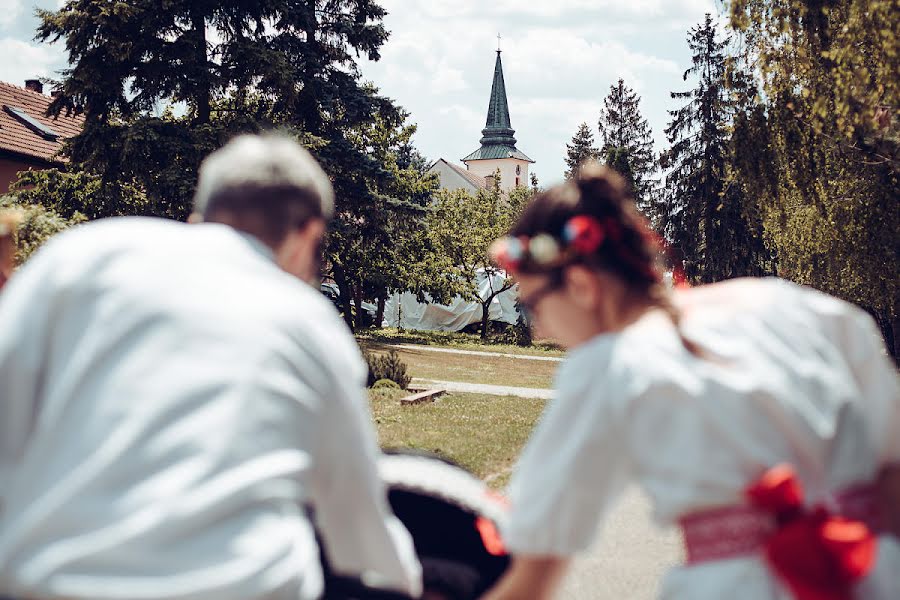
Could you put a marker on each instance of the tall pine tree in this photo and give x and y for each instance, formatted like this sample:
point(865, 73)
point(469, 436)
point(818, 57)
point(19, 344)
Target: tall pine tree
point(581, 149)
point(627, 145)
point(705, 219)
point(237, 66)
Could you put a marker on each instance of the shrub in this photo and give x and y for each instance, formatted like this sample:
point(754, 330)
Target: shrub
point(385, 384)
point(387, 366)
point(36, 225)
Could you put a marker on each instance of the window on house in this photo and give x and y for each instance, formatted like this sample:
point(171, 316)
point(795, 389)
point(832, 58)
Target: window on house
point(31, 123)
point(517, 181)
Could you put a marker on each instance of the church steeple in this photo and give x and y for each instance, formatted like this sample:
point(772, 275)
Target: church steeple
point(498, 137)
point(498, 129)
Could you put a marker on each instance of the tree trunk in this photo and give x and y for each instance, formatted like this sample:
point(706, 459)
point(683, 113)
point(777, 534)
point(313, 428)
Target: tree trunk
point(202, 91)
point(340, 279)
point(485, 321)
point(379, 314)
point(358, 301)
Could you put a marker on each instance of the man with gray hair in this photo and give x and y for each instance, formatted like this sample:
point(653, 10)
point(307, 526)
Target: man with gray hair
point(173, 397)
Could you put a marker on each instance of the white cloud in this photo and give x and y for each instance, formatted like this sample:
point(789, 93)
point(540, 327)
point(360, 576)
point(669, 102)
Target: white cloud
point(559, 59)
point(447, 79)
point(10, 12)
point(615, 10)
point(23, 60)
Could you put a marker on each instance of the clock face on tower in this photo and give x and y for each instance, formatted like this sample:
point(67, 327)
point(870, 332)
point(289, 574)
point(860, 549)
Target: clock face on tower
point(518, 169)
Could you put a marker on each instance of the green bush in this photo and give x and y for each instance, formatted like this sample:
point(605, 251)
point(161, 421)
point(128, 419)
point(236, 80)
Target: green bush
point(385, 384)
point(387, 366)
point(37, 225)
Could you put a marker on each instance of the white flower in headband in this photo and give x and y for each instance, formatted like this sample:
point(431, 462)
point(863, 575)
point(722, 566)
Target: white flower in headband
point(543, 248)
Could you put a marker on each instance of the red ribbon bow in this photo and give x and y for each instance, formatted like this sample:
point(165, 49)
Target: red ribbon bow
point(818, 555)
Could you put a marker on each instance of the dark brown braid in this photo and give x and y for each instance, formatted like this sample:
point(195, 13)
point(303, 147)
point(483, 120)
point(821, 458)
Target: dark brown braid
point(630, 250)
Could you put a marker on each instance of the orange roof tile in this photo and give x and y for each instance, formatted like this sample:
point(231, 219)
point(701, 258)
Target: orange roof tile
point(16, 137)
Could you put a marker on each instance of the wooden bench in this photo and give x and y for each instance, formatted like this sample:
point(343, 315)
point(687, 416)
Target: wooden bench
point(423, 396)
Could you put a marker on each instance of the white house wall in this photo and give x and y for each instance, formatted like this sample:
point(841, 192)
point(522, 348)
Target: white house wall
point(450, 179)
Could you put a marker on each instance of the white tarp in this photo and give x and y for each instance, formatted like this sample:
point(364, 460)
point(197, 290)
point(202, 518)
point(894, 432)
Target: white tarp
point(403, 310)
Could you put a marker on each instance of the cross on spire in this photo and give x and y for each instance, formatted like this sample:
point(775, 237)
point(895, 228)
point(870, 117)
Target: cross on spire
point(498, 42)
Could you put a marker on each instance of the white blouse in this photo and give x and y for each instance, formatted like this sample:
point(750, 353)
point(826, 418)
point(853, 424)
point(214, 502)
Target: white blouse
point(796, 376)
point(170, 400)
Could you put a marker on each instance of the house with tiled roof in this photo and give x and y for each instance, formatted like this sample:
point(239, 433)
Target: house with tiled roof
point(28, 138)
point(498, 151)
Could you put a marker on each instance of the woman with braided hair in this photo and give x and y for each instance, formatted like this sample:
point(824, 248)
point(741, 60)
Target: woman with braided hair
point(761, 417)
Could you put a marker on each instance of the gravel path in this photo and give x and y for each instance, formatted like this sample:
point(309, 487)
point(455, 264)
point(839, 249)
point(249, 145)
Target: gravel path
point(483, 388)
point(474, 352)
point(630, 555)
point(629, 558)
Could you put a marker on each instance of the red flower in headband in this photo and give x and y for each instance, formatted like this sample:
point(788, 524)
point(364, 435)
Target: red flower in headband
point(507, 253)
point(584, 234)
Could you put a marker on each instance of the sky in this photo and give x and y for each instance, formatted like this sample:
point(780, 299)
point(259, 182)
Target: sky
point(559, 59)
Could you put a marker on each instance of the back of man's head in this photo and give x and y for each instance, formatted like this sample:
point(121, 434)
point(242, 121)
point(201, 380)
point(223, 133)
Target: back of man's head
point(265, 185)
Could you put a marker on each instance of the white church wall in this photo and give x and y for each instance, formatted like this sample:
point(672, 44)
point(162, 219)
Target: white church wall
point(450, 179)
point(507, 166)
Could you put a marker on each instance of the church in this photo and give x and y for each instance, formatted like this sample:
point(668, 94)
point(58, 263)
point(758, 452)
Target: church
point(498, 150)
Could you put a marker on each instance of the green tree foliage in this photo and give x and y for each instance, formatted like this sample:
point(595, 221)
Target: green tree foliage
point(81, 193)
point(37, 225)
point(234, 67)
point(460, 229)
point(581, 149)
point(706, 221)
point(822, 154)
point(378, 248)
point(627, 145)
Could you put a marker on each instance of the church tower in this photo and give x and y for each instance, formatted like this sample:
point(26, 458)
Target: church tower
point(498, 144)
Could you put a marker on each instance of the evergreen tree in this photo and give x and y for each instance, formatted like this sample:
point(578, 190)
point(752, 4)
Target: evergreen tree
point(705, 221)
point(627, 145)
point(581, 149)
point(238, 66)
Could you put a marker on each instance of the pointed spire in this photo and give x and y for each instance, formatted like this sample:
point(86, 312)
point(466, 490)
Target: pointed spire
point(498, 129)
point(498, 139)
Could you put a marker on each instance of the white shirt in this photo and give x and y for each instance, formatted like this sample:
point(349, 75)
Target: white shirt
point(169, 402)
point(798, 377)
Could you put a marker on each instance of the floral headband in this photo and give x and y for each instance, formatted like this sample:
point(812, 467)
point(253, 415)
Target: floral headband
point(581, 235)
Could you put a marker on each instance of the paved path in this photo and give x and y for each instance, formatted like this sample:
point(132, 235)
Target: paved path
point(483, 388)
point(628, 560)
point(631, 554)
point(474, 352)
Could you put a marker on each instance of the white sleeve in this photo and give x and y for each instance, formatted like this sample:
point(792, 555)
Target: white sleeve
point(572, 469)
point(360, 532)
point(857, 337)
point(25, 319)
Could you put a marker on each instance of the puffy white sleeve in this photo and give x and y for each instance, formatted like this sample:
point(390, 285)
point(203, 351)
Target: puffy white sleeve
point(25, 318)
point(361, 534)
point(572, 469)
point(857, 337)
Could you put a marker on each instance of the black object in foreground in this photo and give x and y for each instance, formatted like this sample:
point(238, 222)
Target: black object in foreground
point(453, 518)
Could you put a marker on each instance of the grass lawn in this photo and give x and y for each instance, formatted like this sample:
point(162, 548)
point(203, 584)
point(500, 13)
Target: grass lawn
point(499, 370)
point(482, 433)
point(452, 339)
